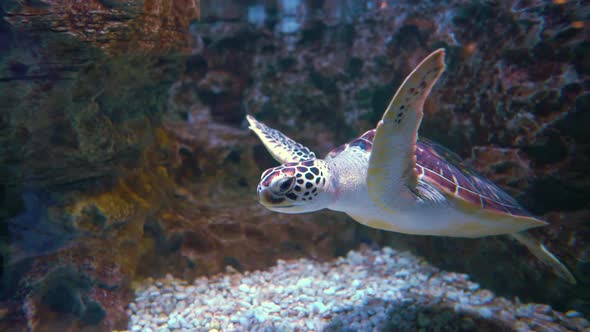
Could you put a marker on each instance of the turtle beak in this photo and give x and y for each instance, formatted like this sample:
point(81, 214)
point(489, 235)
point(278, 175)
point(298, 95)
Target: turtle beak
point(266, 198)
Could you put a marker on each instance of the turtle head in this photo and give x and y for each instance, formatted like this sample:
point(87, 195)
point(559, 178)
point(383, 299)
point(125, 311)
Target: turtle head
point(295, 187)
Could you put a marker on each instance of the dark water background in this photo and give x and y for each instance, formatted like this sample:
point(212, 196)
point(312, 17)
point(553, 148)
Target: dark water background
point(124, 152)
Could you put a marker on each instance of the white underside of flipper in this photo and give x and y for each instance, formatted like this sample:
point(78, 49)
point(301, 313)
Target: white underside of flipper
point(391, 178)
point(282, 148)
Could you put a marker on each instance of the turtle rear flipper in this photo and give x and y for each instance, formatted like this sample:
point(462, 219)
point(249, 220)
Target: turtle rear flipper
point(541, 252)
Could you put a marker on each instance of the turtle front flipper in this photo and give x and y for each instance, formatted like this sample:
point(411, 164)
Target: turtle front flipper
point(391, 177)
point(282, 148)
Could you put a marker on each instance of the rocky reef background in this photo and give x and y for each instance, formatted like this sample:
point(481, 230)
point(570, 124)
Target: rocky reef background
point(125, 154)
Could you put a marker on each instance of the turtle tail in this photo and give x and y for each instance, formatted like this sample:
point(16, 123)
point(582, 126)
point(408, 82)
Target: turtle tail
point(538, 249)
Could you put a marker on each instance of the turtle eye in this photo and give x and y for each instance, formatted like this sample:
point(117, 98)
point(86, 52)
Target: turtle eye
point(287, 184)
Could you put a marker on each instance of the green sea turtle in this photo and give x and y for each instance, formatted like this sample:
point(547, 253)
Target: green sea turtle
point(389, 179)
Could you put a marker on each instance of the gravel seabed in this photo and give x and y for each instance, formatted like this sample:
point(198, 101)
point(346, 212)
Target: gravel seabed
point(368, 290)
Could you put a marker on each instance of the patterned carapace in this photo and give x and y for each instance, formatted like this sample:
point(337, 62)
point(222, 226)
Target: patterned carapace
point(436, 164)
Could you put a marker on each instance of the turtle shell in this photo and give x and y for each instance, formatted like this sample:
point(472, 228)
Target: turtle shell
point(445, 170)
point(363, 142)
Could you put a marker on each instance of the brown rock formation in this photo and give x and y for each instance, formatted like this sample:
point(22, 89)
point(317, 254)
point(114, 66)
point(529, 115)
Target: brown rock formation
point(116, 26)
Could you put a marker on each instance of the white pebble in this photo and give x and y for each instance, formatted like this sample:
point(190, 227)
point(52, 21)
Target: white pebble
point(173, 323)
point(403, 261)
point(318, 307)
point(304, 282)
point(260, 315)
point(485, 312)
point(388, 251)
point(573, 314)
point(402, 273)
point(270, 306)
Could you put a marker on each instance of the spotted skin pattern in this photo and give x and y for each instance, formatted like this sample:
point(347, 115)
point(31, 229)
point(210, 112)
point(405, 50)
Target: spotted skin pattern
point(309, 177)
point(282, 148)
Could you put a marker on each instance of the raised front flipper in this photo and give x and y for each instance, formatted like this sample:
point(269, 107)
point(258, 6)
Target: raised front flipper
point(391, 178)
point(281, 147)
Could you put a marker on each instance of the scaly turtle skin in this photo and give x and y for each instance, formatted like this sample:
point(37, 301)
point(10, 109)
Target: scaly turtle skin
point(389, 179)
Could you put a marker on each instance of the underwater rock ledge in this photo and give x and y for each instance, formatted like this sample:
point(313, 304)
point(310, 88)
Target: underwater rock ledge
point(368, 290)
